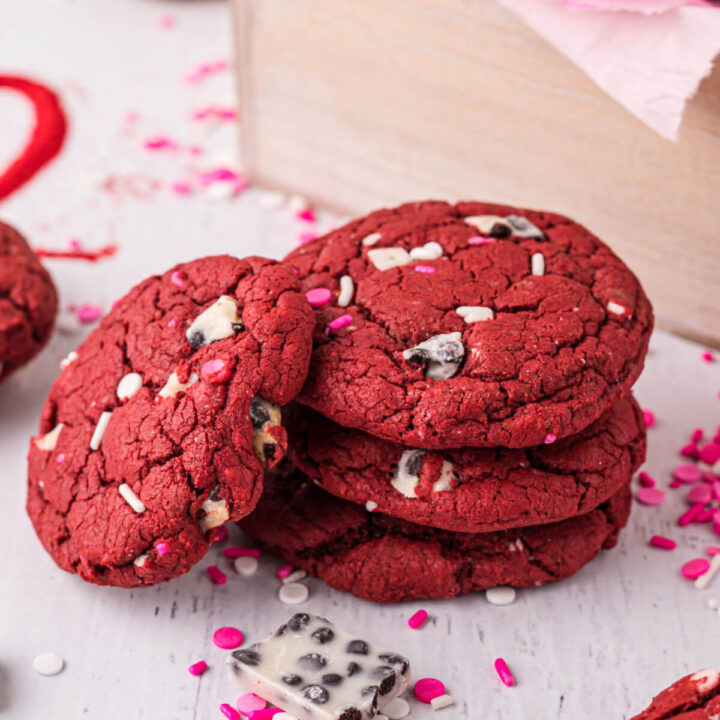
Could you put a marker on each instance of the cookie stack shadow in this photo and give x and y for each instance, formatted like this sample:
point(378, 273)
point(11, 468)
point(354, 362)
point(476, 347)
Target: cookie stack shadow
point(468, 420)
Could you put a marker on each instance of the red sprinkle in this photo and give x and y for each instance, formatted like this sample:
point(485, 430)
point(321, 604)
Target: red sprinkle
point(646, 480)
point(236, 552)
point(504, 673)
point(695, 568)
point(215, 371)
point(663, 543)
point(418, 619)
point(77, 254)
point(687, 473)
point(217, 575)
point(229, 712)
point(689, 515)
point(649, 417)
point(198, 668)
point(650, 496)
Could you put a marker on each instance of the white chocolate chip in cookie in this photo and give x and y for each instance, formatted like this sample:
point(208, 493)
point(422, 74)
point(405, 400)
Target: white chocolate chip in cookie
point(217, 322)
point(387, 258)
point(173, 386)
point(475, 313)
point(264, 417)
point(215, 513)
point(428, 251)
point(48, 441)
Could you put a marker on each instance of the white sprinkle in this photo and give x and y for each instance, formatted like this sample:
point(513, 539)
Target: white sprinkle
point(387, 258)
point(371, 239)
point(538, 264)
point(129, 385)
point(221, 190)
point(272, 199)
point(139, 561)
point(347, 290)
point(475, 313)
point(48, 664)
point(288, 716)
point(702, 582)
point(100, 428)
point(68, 323)
point(714, 603)
point(69, 360)
point(173, 386)
point(500, 595)
point(294, 576)
point(616, 308)
point(246, 565)
point(428, 251)
point(131, 498)
point(441, 702)
point(298, 203)
point(485, 223)
point(293, 593)
point(396, 709)
point(371, 505)
point(49, 440)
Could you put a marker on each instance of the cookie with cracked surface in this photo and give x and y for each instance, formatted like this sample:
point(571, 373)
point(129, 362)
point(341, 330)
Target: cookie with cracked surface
point(470, 324)
point(694, 697)
point(28, 302)
point(384, 559)
point(473, 489)
point(157, 432)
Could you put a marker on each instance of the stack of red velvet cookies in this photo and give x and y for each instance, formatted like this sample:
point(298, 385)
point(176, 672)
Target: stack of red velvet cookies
point(467, 421)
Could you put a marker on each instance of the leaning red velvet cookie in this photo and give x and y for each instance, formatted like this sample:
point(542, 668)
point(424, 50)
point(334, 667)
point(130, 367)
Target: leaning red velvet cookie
point(158, 429)
point(472, 324)
point(473, 489)
point(28, 302)
point(383, 559)
point(694, 697)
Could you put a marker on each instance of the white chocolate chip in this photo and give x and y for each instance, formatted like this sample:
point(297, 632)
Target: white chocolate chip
point(294, 576)
point(447, 475)
point(500, 595)
point(293, 593)
point(371, 506)
point(616, 308)
point(428, 251)
point(131, 498)
point(49, 440)
point(347, 290)
point(485, 223)
point(522, 227)
point(396, 709)
point(387, 258)
point(407, 474)
point(537, 263)
point(264, 417)
point(475, 313)
point(707, 679)
point(129, 385)
point(441, 355)
point(48, 664)
point(371, 239)
point(714, 603)
point(216, 514)
point(173, 386)
point(100, 428)
point(140, 560)
point(216, 322)
point(442, 701)
point(246, 565)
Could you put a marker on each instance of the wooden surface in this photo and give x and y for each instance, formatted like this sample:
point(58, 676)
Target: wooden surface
point(365, 103)
point(595, 647)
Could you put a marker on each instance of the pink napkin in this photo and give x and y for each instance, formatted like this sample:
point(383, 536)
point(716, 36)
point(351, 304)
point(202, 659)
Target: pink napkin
point(649, 55)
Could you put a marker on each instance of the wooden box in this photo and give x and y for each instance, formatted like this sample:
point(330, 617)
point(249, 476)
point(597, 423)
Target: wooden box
point(359, 104)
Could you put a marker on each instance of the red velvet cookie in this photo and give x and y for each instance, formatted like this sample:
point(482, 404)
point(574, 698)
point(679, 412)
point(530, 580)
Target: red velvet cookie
point(470, 324)
point(473, 489)
point(158, 430)
point(28, 302)
point(383, 559)
point(694, 697)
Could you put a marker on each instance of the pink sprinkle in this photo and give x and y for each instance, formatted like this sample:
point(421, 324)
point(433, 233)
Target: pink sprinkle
point(687, 473)
point(427, 269)
point(550, 438)
point(249, 702)
point(646, 480)
point(689, 515)
point(221, 534)
point(690, 451)
point(649, 417)
point(227, 638)
point(162, 548)
point(418, 619)
point(177, 278)
point(88, 313)
point(340, 322)
point(265, 714)
point(504, 672)
point(195, 150)
point(166, 21)
point(284, 571)
point(60, 458)
point(172, 323)
point(706, 516)
point(181, 188)
point(236, 552)
point(160, 142)
point(306, 214)
point(213, 113)
point(219, 174)
point(215, 371)
point(710, 453)
point(700, 494)
point(230, 712)
point(697, 435)
point(675, 484)
point(663, 543)
point(707, 356)
point(306, 237)
point(426, 689)
point(480, 240)
point(716, 489)
point(317, 297)
point(650, 496)
point(205, 69)
point(712, 550)
point(217, 575)
point(198, 668)
point(716, 524)
point(695, 568)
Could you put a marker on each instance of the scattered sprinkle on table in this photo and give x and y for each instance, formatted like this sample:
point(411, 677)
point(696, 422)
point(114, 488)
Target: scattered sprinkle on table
point(662, 542)
point(246, 565)
point(294, 576)
point(396, 709)
point(293, 594)
point(687, 473)
point(650, 496)
point(48, 664)
point(221, 534)
point(265, 714)
point(417, 619)
point(229, 712)
point(227, 638)
point(198, 668)
point(237, 552)
point(284, 571)
point(500, 595)
point(217, 575)
point(504, 673)
point(695, 568)
point(426, 689)
point(441, 702)
point(249, 702)
point(704, 580)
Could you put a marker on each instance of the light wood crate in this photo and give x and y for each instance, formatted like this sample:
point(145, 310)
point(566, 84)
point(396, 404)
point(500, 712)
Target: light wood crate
point(359, 104)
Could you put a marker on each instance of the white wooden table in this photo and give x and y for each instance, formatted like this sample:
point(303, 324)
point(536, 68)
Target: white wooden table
point(594, 647)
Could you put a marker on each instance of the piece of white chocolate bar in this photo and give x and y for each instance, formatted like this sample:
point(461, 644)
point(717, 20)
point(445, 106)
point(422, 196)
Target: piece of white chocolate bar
point(316, 671)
